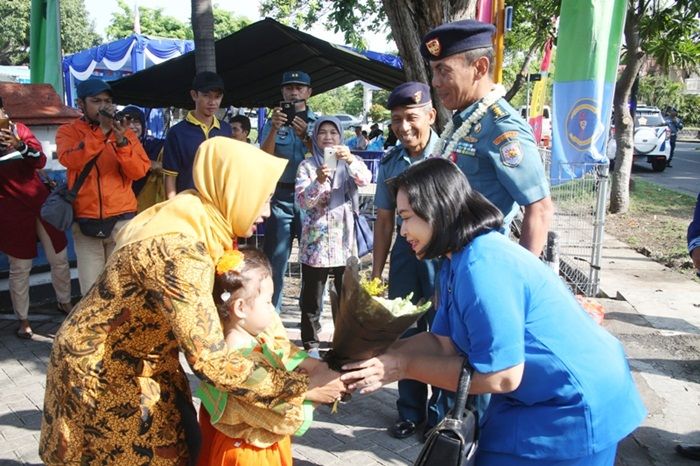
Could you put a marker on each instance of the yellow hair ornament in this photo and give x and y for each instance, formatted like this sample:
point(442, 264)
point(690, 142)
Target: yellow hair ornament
point(231, 260)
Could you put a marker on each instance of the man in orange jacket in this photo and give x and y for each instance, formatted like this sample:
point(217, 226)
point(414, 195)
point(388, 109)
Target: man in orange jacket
point(105, 201)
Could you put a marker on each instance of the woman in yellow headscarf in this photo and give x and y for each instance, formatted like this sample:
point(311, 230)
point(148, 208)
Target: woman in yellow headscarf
point(115, 391)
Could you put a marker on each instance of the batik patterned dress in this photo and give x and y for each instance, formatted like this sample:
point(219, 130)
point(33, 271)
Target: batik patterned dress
point(114, 374)
point(327, 236)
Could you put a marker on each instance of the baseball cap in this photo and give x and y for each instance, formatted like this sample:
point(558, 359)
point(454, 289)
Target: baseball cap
point(206, 81)
point(296, 77)
point(91, 87)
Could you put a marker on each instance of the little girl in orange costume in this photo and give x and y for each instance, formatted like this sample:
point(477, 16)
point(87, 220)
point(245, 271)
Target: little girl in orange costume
point(234, 432)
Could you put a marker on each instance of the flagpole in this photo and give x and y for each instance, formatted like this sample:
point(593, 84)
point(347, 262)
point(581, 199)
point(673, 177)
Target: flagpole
point(499, 21)
point(59, 83)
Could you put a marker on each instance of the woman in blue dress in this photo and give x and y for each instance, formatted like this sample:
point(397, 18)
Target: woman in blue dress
point(562, 392)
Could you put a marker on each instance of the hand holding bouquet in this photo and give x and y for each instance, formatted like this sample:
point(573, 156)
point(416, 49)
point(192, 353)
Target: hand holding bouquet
point(366, 324)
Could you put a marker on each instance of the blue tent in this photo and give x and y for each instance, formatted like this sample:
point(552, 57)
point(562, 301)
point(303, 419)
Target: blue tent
point(121, 58)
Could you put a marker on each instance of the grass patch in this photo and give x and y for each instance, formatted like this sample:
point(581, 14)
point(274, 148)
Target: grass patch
point(656, 224)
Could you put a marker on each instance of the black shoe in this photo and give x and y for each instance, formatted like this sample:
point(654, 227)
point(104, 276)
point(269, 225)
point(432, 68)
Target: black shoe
point(689, 451)
point(402, 429)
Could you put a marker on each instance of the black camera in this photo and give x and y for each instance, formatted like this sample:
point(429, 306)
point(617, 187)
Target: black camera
point(118, 116)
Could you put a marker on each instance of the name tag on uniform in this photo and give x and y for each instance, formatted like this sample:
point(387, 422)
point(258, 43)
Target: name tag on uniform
point(283, 132)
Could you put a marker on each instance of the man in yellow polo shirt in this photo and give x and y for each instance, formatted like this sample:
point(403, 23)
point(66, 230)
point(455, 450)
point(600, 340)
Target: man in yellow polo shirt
point(184, 138)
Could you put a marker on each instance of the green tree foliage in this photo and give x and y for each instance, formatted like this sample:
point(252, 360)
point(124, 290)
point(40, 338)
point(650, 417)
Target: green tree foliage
point(349, 99)
point(343, 99)
point(689, 110)
point(226, 22)
point(660, 91)
point(354, 18)
point(379, 113)
point(152, 20)
point(533, 24)
point(155, 23)
point(667, 33)
point(77, 32)
point(14, 23)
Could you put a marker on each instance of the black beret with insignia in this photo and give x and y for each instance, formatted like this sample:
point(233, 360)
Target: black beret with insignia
point(410, 94)
point(459, 36)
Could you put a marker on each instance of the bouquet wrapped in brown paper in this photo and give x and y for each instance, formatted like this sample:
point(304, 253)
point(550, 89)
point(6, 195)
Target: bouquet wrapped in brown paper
point(366, 325)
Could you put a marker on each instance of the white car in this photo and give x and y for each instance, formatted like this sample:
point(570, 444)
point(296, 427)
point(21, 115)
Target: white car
point(651, 138)
point(348, 121)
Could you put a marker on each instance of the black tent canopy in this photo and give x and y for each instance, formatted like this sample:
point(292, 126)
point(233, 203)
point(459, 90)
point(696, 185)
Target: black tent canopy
point(251, 62)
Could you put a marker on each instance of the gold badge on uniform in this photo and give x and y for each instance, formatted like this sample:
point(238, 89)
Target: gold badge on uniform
point(511, 154)
point(477, 127)
point(434, 47)
point(417, 97)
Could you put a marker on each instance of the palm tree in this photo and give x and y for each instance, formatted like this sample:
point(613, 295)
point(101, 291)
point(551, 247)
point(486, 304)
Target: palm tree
point(203, 29)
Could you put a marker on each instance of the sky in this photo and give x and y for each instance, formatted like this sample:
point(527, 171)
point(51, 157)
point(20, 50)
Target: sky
point(100, 11)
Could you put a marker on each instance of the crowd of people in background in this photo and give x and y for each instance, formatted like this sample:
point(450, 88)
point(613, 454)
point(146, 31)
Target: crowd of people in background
point(171, 278)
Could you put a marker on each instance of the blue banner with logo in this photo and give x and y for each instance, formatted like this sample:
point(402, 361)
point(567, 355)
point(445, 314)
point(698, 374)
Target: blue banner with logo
point(588, 50)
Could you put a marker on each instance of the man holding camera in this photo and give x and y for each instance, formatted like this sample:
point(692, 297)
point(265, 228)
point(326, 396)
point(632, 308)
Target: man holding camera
point(183, 139)
point(285, 135)
point(105, 201)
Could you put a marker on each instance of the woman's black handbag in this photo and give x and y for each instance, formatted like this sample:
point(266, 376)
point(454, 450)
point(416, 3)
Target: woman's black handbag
point(453, 442)
point(364, 237)
point(57, 209)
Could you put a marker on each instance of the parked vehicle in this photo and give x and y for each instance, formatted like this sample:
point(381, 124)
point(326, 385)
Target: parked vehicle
point(348, 121)
point(651, 139)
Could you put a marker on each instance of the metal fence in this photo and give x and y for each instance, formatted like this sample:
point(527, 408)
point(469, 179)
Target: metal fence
point(577, 227)
point(366, 207)
point(579, 220)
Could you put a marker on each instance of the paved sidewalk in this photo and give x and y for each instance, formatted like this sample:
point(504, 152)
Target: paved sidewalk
point(657, 320)
point(357, 432)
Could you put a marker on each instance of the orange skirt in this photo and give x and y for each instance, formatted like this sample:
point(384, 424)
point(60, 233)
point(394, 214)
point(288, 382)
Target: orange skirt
point(220, 450)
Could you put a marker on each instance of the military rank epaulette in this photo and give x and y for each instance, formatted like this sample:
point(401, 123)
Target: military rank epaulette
point(498, 112)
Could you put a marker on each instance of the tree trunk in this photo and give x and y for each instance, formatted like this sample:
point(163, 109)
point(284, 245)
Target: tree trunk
point(203, 29)
point(524, 71)
point(624, 124)
point(410, 20)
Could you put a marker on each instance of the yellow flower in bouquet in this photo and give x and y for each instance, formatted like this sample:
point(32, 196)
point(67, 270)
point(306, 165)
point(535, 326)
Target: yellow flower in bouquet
point(373, 287)
point(366, 324)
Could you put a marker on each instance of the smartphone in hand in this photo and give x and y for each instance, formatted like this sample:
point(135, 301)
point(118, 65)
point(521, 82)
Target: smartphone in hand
point(288, 110)
point(329, 158)
point(293, 109)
